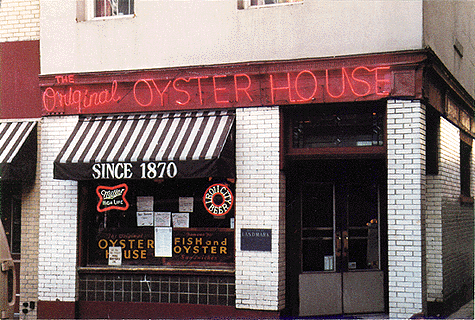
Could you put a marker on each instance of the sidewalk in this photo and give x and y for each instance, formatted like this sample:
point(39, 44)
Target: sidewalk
point(466, 312)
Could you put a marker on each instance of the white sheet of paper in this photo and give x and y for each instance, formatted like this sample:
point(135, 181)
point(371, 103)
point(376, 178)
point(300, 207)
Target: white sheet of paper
point(163, 241)
point(162, 219)
point(115, 256)
point(144, 219)
point(181, 220)
point(185, 204)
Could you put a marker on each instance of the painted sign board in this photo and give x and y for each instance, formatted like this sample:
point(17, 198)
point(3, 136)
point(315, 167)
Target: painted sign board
point(164, 246)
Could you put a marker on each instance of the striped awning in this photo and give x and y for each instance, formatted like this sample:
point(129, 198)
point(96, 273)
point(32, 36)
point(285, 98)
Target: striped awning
point(17, 150)
point(149, 146)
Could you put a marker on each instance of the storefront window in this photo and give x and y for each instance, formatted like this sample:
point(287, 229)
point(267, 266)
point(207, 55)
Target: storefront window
point(186, 222)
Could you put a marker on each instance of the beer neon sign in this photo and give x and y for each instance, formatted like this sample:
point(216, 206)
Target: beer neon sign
point(112, 198)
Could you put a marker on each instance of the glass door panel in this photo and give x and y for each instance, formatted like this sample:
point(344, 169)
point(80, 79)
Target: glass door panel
point(318, 227)
point(362, 223)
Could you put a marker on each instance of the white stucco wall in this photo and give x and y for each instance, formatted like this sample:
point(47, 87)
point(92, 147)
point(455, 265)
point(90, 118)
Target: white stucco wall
point(448, 24)
point(193, 32)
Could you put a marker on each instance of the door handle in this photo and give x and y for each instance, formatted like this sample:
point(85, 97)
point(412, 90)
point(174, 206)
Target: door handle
point(338, 244)
point(345, 242)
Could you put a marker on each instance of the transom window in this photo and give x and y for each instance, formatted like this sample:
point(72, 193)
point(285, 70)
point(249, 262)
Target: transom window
point(110, 8)
point(338, 126)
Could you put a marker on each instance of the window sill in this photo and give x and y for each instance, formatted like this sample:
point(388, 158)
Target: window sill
point(335, 151)
point(161, 270)
point(121, 17)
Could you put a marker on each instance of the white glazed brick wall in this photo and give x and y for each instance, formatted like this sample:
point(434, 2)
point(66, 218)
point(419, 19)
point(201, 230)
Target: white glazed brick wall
point(441, 188)
point(406, 192)
point(457, 220)
point(260, 276)
point(19, 20)
point(434, 238)
point(58, 217)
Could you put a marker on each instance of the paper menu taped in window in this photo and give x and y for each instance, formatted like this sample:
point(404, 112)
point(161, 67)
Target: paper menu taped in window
point(163, 241)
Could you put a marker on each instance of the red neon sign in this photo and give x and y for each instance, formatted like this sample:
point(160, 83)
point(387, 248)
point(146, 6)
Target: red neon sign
point(78, 99)
point(362, 82)
point(219, 90)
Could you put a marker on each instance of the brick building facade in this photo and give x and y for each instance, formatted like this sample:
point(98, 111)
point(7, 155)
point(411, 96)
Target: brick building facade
point(344, 170)
point(400, 168)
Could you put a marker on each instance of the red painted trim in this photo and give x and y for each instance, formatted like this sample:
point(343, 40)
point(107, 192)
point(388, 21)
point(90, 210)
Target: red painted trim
point(56, 310)
point(19, 69)
point(337, 151)
point(141, 310)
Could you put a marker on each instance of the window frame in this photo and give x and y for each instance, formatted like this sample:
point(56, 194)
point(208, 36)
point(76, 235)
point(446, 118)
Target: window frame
point(165, 194)
point(86, 11)
point(131, 7)
point(373, 150)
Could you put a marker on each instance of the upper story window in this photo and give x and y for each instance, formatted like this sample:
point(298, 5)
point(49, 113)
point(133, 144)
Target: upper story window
point(265, 2)
point(244, 4)
point(111, 8)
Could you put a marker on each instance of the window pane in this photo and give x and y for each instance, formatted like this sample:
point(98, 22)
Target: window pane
point(107, 8)
point(317, 227)
point(199, 238)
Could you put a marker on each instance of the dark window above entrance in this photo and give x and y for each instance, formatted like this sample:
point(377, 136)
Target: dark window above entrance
point(338, 126)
